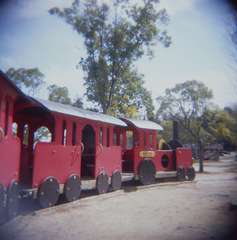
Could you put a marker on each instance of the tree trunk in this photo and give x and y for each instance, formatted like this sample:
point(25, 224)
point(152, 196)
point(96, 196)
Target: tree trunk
point(201, 156)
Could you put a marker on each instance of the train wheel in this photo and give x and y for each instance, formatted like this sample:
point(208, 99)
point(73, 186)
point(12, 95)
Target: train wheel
point(2, 204)
point(180, 174)
point(191, 174)
point(102, 183)
point(12, 199)
point(116, 181)
point(48, 193)
point(72, 188)
point(147, 172)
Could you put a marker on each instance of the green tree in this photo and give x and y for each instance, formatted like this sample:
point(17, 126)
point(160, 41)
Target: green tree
point(233, 128)
point(115, 36)
point(59, 94)
point(219, 124)
point(186, 103)
point(132, 97)
point(28, 80)
point(78, 103)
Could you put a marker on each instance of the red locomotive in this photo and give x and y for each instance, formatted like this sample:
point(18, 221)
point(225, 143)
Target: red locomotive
point(84, 146)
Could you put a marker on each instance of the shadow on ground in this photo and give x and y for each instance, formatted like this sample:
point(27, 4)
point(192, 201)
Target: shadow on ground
point(29, 205)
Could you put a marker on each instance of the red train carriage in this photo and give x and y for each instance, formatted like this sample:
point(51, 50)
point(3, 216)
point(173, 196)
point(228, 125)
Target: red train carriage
point(79, 146)
point(84, 146)
point(10, 96)
point(141, 156)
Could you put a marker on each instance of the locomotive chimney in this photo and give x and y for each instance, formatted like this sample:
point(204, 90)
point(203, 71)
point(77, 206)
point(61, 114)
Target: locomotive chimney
point(175, 130)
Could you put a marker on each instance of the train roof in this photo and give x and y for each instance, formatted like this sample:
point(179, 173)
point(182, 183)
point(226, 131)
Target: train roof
point(73, 111)
point(78, 112)
point(11, 83)
point(144, 124)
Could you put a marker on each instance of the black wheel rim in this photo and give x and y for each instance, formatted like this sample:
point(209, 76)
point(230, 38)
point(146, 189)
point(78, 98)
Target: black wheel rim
point(147, 172)
point(72, 188)
point(3, 195)
point(191, 174)
point(12, 199)
point(102, 183)
point(48, 192)
point(180, 174)
point(116, 181)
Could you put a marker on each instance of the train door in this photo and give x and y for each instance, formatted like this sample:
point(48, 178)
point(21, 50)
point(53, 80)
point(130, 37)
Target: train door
point(88, 154)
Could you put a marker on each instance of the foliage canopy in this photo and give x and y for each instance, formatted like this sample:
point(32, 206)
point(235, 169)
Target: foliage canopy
point(115, 35)
point(28, 80)
point(186, 103)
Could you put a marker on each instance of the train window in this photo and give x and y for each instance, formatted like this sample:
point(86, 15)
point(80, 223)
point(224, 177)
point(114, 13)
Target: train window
point(64, 133)
point(42, 134)
point(108, 137)
point(74, 134)
point(150, 138)
point(6, 117)
point(14, 128)
point(26, 135)
point(130, 139)
point(115, 138)
point(121, 139)
point(101, 135)
point(165, 161)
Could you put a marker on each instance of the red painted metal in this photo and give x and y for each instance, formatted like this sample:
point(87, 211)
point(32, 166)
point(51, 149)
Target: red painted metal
point(64, 155)
point(171, 162)
point(184, 157)
point(55, 160)
point(9, 144)
point(9, 160)
point(108, 159)
point(78, 144)
point(146, 140)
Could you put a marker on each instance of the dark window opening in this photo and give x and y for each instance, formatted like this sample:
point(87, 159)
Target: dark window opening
point(6, 117)
point(121, 139)
point(130, 139)
point(74, 134)
point(150, 138)
point(42, 134)
point(88, 154)
point(26, 135)
point(115, 138)
point(14, 128)
point(101, 136)
point(64, 133)
point(164, 161)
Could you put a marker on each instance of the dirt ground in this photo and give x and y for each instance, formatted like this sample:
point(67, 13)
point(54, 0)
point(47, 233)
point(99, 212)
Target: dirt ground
point(170, 210)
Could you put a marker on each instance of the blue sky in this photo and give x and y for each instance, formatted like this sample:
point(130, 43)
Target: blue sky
point(201, 48)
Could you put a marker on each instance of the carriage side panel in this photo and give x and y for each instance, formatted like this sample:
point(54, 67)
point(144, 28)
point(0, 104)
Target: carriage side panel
point(164, 160)
point(9, 160)
point(108, 159)
point(184, 157)
point(55, 160)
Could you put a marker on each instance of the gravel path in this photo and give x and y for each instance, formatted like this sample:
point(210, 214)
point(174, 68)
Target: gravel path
point(190, 210)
